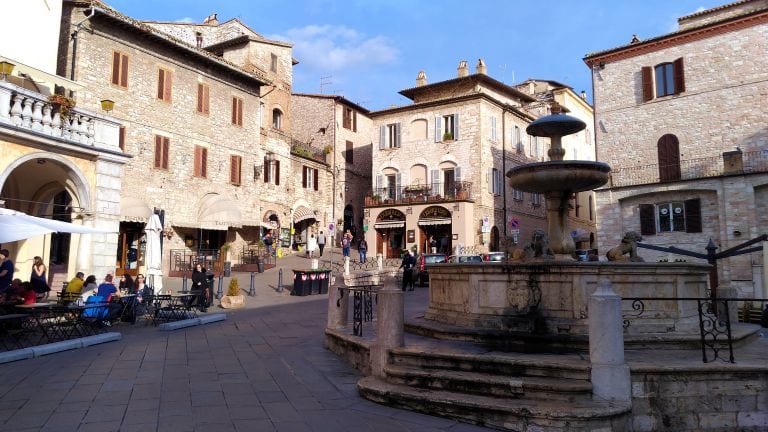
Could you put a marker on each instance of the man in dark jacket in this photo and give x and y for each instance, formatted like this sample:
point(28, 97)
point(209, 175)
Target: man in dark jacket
point(409, 262)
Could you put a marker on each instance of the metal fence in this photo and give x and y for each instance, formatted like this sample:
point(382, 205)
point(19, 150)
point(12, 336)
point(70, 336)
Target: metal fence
point(420, 193)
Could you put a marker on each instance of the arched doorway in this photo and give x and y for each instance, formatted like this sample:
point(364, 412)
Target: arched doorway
point(390, 233)
point(494, 246)
point(435, 222)
point(349, 220)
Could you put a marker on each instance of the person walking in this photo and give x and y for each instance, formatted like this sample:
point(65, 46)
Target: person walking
point(346, 243)
point(311, 246)
point(6, 270)
point(409, 262)
point(362, 249)
point(321, 242)
point(268, 240)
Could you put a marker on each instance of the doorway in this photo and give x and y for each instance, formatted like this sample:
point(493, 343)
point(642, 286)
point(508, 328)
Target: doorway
point(130, 254)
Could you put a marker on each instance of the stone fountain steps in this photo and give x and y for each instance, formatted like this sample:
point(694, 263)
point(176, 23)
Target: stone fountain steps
point(501, 386)
point(517, 414)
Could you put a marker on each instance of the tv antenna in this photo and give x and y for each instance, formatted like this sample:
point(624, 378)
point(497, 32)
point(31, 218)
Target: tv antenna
point(325, 81)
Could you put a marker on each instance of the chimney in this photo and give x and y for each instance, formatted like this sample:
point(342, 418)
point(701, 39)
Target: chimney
point(421, 79)
point(211, 19)
point(481, 68)
point(583, 95)
point(463, 69)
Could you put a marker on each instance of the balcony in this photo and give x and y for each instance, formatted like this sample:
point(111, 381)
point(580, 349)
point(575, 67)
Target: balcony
point(307, 151)
point(33, 112)
point(420, 194)
point(731, 163)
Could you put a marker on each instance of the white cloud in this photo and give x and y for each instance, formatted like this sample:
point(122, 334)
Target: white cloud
point(335, 48)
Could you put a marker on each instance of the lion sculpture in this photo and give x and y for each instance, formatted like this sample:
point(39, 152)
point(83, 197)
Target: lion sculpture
point(628, 246)
point(538, 248)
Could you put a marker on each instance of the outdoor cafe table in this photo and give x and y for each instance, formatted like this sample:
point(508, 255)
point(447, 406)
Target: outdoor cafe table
point(12, 326)
point(56, 322)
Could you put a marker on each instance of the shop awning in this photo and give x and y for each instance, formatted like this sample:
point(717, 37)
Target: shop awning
point(215, 212)
point(302, 213)
point(392, 224)
point(269, 225)
point(134, 210)
point(442, 221)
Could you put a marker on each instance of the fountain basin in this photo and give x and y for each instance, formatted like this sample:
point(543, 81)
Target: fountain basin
point(555, 125)
point(552, 176)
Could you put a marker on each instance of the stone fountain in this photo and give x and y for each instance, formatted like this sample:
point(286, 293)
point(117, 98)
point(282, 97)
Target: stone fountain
point(557, 179)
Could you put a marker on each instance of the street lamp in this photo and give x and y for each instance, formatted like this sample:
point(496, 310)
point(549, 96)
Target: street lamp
point(6, 68)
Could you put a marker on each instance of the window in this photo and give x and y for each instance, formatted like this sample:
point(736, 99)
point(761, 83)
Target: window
point(271, 170)
point(389, 136)
point(391, 186)
point(496, 182)
point(162, 145)
point(535, 199)
point(576, 205)
point(235, 166)
point(201, 162)
point(203, 99)
point(664, 79)
point(682, 216)
point(119, 69)
point(517, 195)
point(261, 114)
point(164, 84)
point(121, 138)
point(591, 208)
point(237, 111)
point(493, 129)
point(273, 63)
point(277, 119)
point(669, 158)
point(518, 139)
point(349, 153)
point(349, 118)
point(309, 178)
point(447, 127)
point(199, 39)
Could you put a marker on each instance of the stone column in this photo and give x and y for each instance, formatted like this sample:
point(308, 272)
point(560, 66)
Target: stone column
point(338, 307)
point(346, 266)
point(84, 262)
point(610, 373)
point(5, 105)
point(380, 261)
point(390, 320)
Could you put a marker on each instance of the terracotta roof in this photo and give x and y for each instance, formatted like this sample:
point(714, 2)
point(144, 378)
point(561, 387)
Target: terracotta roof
point(105, 10)
point(485, 79)
point(336, 98)
point(714, 9)
point(522, 113)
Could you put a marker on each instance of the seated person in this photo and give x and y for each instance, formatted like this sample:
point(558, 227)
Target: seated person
point(90, 284)
point(29, 295)
point(107, 289)
point(126, 284)
point(75, 286)
point(16, 290)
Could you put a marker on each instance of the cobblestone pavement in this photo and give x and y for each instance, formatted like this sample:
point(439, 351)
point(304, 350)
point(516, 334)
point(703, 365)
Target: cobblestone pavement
point(263, 369)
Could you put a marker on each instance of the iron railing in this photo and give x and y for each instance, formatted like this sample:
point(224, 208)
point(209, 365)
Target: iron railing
point(185, 260)
point(690, 169)
point(363, 289)
point(307, 151)
point(421, 193)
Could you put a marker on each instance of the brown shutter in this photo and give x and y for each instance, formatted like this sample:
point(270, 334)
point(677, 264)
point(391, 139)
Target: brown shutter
point(647, 74)
point(345, 118)
point(206, 99)
point(158, 151)
point(166, 145)
point(316, 171)
point(124, 70)
point(266, 171)
point(116, 68)
point(693, 215)
point(239, 112)
point(277, 173)
point(354, 121)
point(232, 166)
point(160, 83)
point(204, 164)
point(234, 110)
point(679, 76)
point(196, 169)
point(199, 98)
point(669, 158)
point(647, 219)
point(121, 139)
point(168, 85)
point(304, 177)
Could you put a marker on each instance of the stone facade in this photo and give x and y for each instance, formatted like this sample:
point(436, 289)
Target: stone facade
point(719, 109)
point(319, 119)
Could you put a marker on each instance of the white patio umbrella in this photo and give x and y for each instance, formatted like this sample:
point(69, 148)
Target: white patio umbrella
point(15, 225)
point(154, 256)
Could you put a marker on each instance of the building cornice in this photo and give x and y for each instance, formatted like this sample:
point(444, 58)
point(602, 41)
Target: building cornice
point(453, 100)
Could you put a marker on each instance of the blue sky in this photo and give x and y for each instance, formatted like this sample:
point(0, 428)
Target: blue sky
point(368, 50)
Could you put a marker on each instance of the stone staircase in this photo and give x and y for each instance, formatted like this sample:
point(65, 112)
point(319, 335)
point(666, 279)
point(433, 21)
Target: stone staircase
point(508, 391)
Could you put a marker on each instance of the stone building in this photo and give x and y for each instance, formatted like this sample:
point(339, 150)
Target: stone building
point(578, 146)
point(439, 166)
point(681, 119)
point(59, 155)
point(343, 130)
point(290, 171)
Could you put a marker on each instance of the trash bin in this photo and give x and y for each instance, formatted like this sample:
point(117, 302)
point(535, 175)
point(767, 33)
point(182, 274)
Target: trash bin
point(260, 264)
point(227, 268)
point(312, 281)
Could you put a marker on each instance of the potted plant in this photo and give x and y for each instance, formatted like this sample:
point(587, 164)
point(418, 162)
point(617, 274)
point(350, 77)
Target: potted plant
point(447, 136)
point(234, 297)
point(63, 103)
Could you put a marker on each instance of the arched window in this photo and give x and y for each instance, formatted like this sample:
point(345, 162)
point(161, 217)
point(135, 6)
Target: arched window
point(669, 158)
point(277, 119)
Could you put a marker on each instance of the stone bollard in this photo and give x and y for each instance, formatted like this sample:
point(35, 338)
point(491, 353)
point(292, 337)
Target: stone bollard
point(338, 308)
point(610, 373)
point(390, 320)
point(315, 264)
point(252, 286)
point(380, 261)
point(346, 266)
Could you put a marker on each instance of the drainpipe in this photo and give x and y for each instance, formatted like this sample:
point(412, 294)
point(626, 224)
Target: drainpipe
point(88, 16)
point(504, 167)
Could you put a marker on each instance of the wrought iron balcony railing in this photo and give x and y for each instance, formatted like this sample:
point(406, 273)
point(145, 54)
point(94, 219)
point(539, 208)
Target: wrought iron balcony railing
point(421, 193)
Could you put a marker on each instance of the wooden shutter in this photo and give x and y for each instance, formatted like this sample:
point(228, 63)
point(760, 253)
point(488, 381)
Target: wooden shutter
point(346, 119)
point(647, 76)
point(315, 173)
point(168, 86)
point(397, 135)
point(266, 171)
point(158, 151)
point(438, 135)
point(457, 174)
point(234, 110)
point(121, 139)
point(456, 127)
point(166, 146)
point(234, 169)
point(197, 168)
point(115, 68)
point(204, 164)
point(277, 172)
point(693, 215)
point(679, 76)
point(379, 180)
point(354, 121)
point(206, 99)
point(398, 182)
point(123, 70)
point(239, 112)
point(350, 152)
point(647, 219)
point(492, 180)
point(199, 98)
point(669, 158)
point(160, 84)
point(435, 182)
point(304, 177)
point(493, 128)
point(382, 137)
